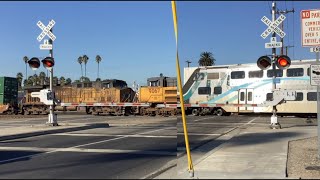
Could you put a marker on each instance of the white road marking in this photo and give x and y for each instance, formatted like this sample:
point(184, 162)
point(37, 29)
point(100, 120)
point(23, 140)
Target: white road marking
point(56, 150)
point(37, 149)
point(200, 123)
point(200, 134)
point(110, 135)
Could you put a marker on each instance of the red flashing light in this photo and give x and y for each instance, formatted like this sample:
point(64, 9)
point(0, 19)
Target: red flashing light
point(283, 62)
point(48, 62)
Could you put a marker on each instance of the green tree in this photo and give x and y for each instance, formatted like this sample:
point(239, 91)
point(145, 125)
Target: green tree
point(86, 79)
point(85, 60)
point(80, 62)
point(26, 59)
point(62, 81)
point(42, 77)
point(25, 82)
point(98, 79)
point(35, 79)
point(19, 79)
point(55, 80)
point(206, 59)
point(68, 81)
point(98, 60)
point(30, 81)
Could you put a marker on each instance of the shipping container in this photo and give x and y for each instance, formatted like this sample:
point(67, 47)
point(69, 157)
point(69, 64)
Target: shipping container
point(8, 90)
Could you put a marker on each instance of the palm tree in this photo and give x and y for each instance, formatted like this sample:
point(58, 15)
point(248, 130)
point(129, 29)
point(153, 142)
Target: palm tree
point(62, 81)
point(206, 59)
point(85, 59)
point(26, 59)
point(80, 62)
point(42, 77)
point(98, 60)
point(19, 78)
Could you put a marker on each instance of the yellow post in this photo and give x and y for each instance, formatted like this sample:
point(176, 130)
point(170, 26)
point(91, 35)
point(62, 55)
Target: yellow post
point(185, 130)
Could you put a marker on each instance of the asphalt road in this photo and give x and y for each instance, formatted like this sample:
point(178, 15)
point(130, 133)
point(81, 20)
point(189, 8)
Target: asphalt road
point(203, 129)
point(132, 147)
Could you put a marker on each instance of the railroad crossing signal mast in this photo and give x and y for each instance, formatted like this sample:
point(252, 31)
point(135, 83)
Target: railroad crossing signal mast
point(47, 62)
point(282, 61)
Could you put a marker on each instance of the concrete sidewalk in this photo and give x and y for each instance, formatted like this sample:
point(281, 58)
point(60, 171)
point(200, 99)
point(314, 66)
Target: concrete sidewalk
point(8, 133)
point(253, 153)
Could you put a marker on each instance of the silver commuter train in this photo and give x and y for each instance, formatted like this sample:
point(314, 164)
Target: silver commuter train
point(247, 84)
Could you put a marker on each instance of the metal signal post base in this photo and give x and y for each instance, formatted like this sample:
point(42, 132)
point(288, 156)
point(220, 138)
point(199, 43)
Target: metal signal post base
point(274, 122)
point(52, 120)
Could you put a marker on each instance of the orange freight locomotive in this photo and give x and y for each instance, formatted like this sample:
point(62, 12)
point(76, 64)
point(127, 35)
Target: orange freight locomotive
point(108, 97)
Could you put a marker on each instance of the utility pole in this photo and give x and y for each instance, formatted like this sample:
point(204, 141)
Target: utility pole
point(287, 49)
point(284, 12)
point(188, 62)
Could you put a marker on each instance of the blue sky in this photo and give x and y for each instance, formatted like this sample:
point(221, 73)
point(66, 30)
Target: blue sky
point(136, 39)
point(231, 30)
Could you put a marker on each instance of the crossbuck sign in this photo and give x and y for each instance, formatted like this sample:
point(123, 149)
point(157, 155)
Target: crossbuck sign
point(46, 30)
point(273, 26)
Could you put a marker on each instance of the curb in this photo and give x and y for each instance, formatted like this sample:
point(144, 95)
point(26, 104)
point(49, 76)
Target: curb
point(53, 131)
point(163, 169)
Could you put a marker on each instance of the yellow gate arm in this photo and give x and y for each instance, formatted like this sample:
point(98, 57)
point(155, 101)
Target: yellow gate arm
point(185, 130)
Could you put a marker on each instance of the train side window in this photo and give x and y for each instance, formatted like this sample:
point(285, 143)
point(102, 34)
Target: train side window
point(308, 71)
point(256, 74)
point(299, 96)
point(204, 90)
point(294, 72)
point(153, 83)
point(87, 84)
point(312, 96)
point(228, 80)
point(106, 85)
point(279, 73)
point(217, 90)
point(249, 96)
point(269, 97)
point(213, 76)
point(237, 75)
point(242, 96)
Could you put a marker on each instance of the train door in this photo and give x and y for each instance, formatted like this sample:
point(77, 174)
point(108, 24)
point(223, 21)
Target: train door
point(245, 97)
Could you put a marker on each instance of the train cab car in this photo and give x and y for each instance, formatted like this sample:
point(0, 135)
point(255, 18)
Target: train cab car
point(162, 81)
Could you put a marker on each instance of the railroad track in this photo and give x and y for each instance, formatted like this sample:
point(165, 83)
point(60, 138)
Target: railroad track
point(19, 116)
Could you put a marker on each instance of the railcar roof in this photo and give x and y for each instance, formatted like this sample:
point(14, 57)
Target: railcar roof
point(293, 62)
